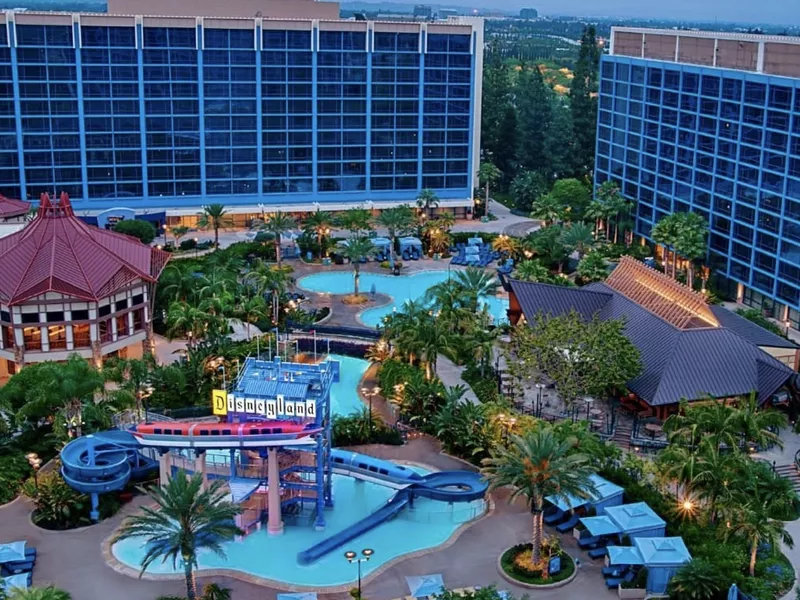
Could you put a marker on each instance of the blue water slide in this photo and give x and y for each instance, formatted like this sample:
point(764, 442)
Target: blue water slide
point(444, 486)
point(103, 462)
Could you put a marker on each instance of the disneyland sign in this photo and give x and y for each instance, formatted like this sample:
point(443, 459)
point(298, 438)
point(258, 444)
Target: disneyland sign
point(224, 403)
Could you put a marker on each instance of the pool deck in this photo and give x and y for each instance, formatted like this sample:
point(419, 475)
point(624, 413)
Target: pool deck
point(73, 560)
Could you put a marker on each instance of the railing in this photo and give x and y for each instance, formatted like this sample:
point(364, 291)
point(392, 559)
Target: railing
point(356, 332)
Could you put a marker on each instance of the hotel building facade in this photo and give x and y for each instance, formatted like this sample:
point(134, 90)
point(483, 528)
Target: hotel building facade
point(276, 105)
point(710, 123)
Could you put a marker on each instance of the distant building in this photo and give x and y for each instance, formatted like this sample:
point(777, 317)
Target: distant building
point(528, 13)
point(445, 13)
point(423, 10)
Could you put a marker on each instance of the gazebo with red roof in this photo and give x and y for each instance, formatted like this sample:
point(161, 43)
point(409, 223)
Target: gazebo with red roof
point(13, 211)
point(68, 287)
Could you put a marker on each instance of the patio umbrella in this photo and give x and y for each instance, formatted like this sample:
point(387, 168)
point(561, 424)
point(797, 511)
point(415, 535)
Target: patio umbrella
point(733, 593)
point(15, 581)
point(298, 596)
point(425, 585)
point(12, 551)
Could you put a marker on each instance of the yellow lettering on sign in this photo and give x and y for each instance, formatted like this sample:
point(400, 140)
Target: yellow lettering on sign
point(219, 402)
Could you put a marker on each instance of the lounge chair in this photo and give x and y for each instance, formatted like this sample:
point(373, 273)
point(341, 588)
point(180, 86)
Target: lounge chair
point(567, 526)
point(14, 568)
point(615, 582)
point(598, 553)
point(554, 517)
point(615, 571)
point(589, 542)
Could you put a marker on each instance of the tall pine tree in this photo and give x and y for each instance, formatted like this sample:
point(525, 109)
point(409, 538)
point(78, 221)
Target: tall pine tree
point(583, 103)
point(498, 116)
point(534, 107)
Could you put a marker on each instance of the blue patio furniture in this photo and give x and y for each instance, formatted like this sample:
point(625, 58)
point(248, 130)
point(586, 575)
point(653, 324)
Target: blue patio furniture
point(554, 517)
point(568, 525)
point(598, 552)
point(615, 571)
point(615, 582)
point(589, 542)
point(13, 568)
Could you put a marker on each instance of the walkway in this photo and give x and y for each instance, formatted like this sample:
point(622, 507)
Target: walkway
point(450, 374)
point(72, 560)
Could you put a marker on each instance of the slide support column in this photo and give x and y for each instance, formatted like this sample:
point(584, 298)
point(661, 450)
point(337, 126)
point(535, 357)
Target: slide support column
point(164, 467)
point(200, 466)
point(274, 520)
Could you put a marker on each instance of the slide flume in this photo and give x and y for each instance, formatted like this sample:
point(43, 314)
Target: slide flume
point(444, 486)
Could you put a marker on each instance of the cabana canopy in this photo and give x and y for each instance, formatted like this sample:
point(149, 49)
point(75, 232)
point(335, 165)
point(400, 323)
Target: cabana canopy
point(19, 581)
point(604, 492)
point(475, 241)
point(13, 551)
point(636, 518)
point(598, 526)
point(425, 585)
point(624, 555)
point(409, 242)
point(381, 242)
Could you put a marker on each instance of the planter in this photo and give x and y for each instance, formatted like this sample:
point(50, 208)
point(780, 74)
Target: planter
point(632, 593)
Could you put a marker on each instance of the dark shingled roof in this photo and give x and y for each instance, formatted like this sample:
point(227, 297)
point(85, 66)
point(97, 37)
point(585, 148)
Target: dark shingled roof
point(677, 363)
point(749, 330)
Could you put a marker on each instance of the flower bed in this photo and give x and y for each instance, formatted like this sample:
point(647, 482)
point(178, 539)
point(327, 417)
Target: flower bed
point(516, 560)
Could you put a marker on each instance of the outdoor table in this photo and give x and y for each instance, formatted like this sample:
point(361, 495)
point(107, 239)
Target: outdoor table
point(653, 428)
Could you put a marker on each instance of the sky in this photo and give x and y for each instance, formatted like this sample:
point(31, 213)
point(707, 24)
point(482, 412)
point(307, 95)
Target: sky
point(754, 11)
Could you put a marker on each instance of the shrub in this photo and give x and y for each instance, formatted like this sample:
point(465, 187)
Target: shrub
point(514, 564)
point(189, 244)
point(14, 469)
point(142, 230)
point(355, 430)
point(385, 264)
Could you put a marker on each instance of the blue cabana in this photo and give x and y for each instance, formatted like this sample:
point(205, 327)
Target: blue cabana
point(20, 581)
point(410, 248)
point(382, 245)
point(606, 494)
point(12, 551)
point(475, 241)
point(662, 556)
point(425, 585)
point(633, 520)
point(298, 596)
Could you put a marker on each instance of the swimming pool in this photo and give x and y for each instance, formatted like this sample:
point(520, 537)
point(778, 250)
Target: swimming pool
point(401, 289)
point(430, 524)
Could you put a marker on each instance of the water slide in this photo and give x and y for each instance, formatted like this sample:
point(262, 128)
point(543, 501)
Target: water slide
point(444, 486)
point(103, 462)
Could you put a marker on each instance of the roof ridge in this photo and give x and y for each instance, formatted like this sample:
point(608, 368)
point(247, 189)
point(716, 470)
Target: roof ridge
point(669, 359)
point(80, 268)
point(562, 287)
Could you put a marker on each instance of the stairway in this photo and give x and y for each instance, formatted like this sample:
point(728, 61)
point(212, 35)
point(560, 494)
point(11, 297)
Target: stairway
point(790, 472)
point(622, 435)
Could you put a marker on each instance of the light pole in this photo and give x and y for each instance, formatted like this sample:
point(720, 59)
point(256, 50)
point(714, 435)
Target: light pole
point(352, 557)
point(539, 388)
point(145, 395)
point(369, 395)
point(35, 462)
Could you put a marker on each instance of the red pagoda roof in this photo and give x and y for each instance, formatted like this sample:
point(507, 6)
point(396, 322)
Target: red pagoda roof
point(57, 252)
point(12, 208)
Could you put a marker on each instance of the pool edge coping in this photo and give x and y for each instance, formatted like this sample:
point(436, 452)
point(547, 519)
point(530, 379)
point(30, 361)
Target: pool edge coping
point(123, 569)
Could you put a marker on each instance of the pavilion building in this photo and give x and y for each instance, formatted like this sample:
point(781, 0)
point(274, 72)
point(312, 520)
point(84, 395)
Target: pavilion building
point(690, 350)
point(68, 287)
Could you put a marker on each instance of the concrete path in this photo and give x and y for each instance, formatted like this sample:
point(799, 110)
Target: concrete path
point(73, 561)
point(450, 374)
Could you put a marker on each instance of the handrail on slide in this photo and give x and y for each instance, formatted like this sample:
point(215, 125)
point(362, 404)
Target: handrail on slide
point(444, 486)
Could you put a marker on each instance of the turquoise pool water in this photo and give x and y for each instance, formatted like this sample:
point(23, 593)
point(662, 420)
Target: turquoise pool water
point(401, 289)
point(430, 523)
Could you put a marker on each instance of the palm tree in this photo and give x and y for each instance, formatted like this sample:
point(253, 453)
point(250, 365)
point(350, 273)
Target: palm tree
point(698, 579)
point(214, 216)
point(435, 339)
point(214, 591)
point(37, 593)
point(251, 310)
point(665, 232)
point(269, 282)
point(533, 271)
point(750, 517)
point(592, 267)
point(356, 250)
point(445, 221)
point(438, 241)
point(506, 245)
point(476, 282)
point(186, 519)
point(760, 426)
point(535, 465)
point(577, 238)
point(597, 212)
point(277, 224)
point(178, 232)
point(548, 209)
point(488, 175)
point(397, 221)
point(319, 224)
point(132, 375)
point(185, 320)
point(358, 221)
point(66, 388)
point(427, 200)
